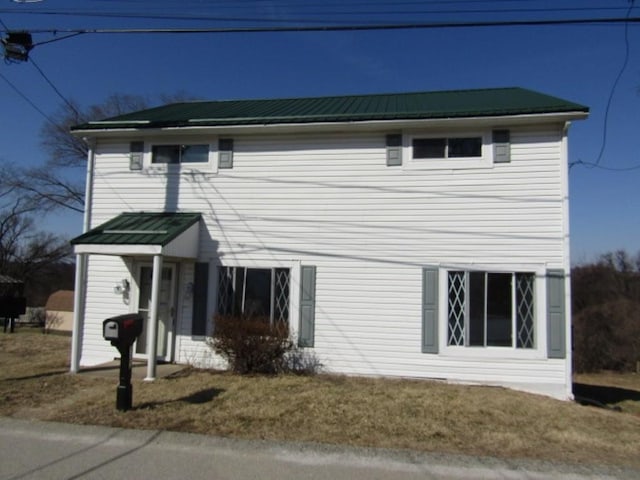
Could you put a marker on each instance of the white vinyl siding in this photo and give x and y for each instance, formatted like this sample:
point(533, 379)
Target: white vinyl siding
point(329, 200)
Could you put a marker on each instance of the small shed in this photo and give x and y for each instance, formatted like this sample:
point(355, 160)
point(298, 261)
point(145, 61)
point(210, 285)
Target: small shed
point(59, 311)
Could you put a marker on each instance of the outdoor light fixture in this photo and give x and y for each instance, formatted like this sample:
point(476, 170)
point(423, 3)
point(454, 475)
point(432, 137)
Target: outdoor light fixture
point(17, 46)
point(122, 288)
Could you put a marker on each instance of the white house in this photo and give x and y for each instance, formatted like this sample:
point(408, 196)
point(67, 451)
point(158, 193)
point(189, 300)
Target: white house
point(421, 235)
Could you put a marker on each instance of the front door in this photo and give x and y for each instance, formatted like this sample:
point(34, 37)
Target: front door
point(166, 310)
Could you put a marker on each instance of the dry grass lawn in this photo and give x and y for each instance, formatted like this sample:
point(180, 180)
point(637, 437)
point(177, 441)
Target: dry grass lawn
point(419, 415)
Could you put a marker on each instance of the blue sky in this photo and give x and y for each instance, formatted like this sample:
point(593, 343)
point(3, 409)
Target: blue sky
point(578, 63)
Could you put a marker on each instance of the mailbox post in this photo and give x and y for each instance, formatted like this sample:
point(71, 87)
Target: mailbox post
point(122, 331)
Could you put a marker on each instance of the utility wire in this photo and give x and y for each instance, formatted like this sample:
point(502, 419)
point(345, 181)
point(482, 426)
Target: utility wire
point(614, 87)
point(28, 100)
point(342, 28)
point(55, 89)
point(4, 25)
point(391, 11)
point(57, 39)
point(611, 169)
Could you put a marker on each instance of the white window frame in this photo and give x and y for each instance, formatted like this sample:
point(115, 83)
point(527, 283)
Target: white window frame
point(538, 352)
point(294, 285)
point(180, 147)
point(485, 160)
point(210, 166)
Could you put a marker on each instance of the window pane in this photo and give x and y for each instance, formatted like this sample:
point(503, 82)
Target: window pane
point(429, 147)
point(281, 300)
point(165, 154)
point(476, 308)
point(525, 310)
point(465, 147)
point(225, 290)
point(238, 291)
point(195, 154)
point(456, 308)
point(257, 301)
point(499, 306)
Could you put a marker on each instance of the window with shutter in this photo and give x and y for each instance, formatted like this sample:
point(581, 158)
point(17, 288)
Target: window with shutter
point(491, 309)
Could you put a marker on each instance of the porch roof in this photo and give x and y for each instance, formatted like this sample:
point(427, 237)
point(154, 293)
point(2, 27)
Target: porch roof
point(143, 233)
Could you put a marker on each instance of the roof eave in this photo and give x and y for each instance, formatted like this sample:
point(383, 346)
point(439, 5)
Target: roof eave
point(497, 120)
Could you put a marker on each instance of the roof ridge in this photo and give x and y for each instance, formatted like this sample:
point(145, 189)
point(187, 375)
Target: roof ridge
point(350, 95)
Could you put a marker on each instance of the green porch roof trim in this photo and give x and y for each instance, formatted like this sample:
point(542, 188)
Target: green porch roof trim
point(352, 108)
point(143, 228)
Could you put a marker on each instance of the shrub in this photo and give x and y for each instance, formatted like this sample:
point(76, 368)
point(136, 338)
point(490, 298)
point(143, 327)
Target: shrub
point(607, 336)
point(606, 314)
point(302, 362)
point(251, 344)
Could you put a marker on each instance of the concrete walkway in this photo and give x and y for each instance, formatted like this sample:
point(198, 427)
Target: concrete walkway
point(45, 450)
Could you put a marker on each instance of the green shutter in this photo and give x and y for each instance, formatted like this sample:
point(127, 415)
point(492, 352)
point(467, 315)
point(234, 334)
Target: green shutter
point(394, 150)
point(200, 290)
point(225, 153)
point(430, 279)
point(307, 306)
point(556, 314)
point(501, 146)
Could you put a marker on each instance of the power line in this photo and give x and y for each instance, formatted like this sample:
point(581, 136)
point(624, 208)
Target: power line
point(71, 35)
point(393, 10)
point(28, 100)
point(55, 89)
point(595, 165)
point(614, 87)
point(342, 28)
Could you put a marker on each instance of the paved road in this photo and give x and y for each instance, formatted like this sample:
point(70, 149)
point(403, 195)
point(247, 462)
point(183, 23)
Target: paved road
point(39, 450)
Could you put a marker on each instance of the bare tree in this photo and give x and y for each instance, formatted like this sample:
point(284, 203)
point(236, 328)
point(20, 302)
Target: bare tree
point(59, 181)
point(26, 252)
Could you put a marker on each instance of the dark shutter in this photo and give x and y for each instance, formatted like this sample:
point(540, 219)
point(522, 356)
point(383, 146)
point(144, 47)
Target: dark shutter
point(136, 150)
point(225, 153)
point(306, 332)
point(394, 150)
point(430, 310)
point(200, 290)
point(501, 146)
point(556, 314)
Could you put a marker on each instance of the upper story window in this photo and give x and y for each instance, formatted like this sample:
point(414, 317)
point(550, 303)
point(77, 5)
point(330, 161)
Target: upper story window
point(440, 148)
point(175, 154)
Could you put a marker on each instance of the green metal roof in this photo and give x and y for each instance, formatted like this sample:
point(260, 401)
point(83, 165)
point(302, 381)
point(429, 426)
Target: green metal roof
point(352, 108)
point(143, 228)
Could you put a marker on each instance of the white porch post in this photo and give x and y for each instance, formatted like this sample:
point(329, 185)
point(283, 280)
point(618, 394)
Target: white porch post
point(78, 311)
point(80, 295)
point(152, 327)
